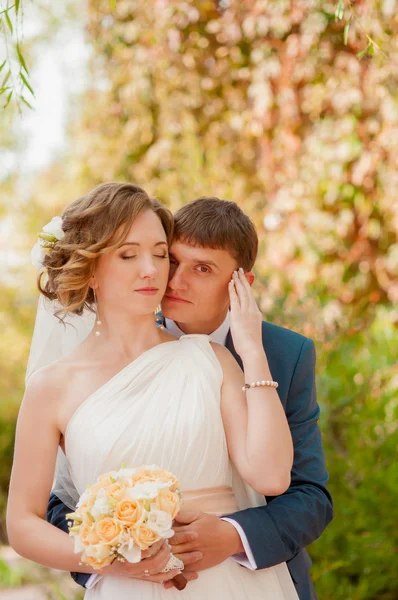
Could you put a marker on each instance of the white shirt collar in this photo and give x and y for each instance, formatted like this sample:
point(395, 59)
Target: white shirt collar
point(219, 336)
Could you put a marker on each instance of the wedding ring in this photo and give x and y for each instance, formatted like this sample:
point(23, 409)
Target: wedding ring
point(146, 573)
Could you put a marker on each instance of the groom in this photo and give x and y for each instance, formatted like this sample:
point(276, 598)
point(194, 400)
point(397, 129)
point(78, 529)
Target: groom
point(212, 238)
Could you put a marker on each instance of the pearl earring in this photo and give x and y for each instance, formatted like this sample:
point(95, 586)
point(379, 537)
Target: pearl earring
point(99, 322)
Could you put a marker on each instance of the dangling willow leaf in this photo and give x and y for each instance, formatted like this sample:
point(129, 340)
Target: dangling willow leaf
point(27, 84)
point(10, 27)
point(6, 78)
point(26, 102)
point(22, 60)
point(8, 99)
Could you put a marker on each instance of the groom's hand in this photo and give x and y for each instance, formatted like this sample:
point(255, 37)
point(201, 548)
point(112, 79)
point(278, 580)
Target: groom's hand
point(202, 541)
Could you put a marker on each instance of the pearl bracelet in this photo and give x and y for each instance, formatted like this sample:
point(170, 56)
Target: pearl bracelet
point(263, 383)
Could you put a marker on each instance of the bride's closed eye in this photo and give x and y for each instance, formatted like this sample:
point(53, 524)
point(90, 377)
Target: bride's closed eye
point(135, 256)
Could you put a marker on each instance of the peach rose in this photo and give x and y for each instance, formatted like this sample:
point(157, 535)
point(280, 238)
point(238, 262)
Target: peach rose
point(169, 502)
point(116, 491)
point(166, 476)
point(147, 474)
point(144, 537)
point(141, 478)
point(129, 512)
point(86, 506)
point(98, 556)
point(102, 482)
point(88, 535)
point(141, 475)
point(108, 531)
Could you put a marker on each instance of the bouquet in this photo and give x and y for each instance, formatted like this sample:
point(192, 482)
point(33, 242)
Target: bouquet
point(124, 513)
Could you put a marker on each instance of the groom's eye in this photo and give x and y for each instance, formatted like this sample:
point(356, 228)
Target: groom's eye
point(203, 269)
point(129, 257)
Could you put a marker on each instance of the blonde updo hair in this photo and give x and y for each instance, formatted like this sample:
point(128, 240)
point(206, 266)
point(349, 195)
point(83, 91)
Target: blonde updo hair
point(93, 224)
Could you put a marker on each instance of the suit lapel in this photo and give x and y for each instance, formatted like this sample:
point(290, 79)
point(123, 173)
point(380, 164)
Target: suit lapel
point(230, 345)
point(268, 349)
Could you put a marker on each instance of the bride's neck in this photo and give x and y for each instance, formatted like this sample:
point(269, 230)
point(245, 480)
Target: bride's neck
point(125, 335)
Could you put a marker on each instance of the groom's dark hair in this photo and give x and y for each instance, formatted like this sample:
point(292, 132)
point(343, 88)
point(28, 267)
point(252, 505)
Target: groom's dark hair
point(214, 223)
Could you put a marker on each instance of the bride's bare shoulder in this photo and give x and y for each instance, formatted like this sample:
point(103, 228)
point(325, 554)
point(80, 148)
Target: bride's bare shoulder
point(50, 380)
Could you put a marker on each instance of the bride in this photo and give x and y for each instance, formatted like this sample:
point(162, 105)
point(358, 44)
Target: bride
point(132, 393)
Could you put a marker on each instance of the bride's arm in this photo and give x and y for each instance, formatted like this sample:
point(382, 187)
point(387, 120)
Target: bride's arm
point(37, 440)
point(36, 444)
point(258, 435)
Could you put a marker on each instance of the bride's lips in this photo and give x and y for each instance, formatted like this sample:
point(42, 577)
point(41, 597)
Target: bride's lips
point(149, 291)
point(176, 299)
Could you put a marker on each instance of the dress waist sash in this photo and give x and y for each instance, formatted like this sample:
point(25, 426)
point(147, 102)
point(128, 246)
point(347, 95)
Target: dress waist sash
point(216, 500)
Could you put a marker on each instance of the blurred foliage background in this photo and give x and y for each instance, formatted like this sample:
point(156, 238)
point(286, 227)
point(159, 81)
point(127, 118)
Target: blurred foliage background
point(267, 104)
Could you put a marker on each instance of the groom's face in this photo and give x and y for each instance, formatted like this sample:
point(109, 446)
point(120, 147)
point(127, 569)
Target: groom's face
point(197, 294)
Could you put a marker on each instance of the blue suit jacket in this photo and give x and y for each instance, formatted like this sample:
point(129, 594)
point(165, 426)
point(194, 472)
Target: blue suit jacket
point(279, 531)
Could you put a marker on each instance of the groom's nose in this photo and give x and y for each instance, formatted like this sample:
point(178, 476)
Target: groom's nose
point(177, 279)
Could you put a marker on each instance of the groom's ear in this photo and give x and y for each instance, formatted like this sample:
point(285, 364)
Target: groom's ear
point(250, 277)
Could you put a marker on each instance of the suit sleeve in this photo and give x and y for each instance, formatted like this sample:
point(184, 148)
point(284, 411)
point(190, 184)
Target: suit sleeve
point(277, 531)
point(56, 515)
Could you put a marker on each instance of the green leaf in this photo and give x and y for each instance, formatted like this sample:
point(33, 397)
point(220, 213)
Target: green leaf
point(2, 12)
point(17, 5)
point(8, 99)
point(9, 23)
point(362, 53)
point(2, 64)
point(369, 50)
point(26, 102)
point(27, 84)
point(3, 90)
point(339, 12)
point(6, 78)
point(22, 60)
point(47, 237)
point(346, 29)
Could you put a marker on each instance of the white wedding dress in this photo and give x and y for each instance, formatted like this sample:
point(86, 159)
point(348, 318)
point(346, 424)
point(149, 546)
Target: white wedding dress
point(164, 409)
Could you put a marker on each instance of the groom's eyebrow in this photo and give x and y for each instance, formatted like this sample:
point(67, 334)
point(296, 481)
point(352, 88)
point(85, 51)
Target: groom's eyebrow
point(211, 263)
point(204, 261)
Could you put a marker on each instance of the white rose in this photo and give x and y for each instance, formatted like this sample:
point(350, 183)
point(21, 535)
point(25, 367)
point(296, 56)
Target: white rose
point(54, 227)
point(160, 522)
point(148, 490)
point(124, 473)
point(129, 550)
point(101, 506)
point(83, 498)
point(37, 255)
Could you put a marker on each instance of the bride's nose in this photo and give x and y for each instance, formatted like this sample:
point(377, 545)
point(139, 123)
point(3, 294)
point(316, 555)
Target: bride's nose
point(148, 269)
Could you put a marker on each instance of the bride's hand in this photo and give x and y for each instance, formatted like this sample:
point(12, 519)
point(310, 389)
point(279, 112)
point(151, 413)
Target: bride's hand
point(149, 568)
point(245, 316)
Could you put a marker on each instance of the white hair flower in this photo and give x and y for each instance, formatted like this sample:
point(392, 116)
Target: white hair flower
point(52, 233)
